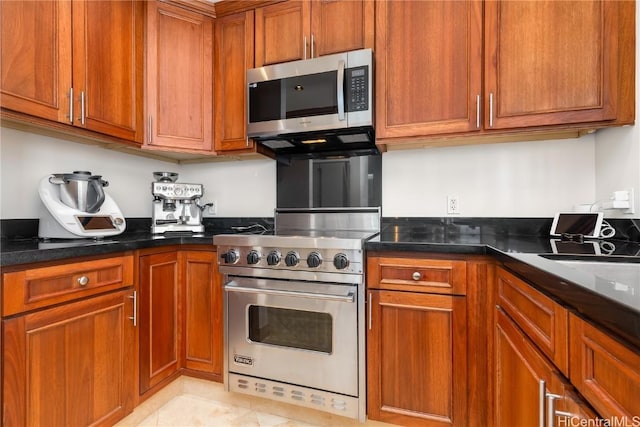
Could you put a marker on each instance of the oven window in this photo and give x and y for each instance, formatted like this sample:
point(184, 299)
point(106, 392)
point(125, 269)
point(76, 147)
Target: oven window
point(307, 330)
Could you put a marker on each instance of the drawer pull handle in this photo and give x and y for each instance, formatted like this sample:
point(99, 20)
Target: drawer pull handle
point(416, 275)
point(83, 280)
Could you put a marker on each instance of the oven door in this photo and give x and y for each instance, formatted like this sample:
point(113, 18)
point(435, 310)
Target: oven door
point(302, 333)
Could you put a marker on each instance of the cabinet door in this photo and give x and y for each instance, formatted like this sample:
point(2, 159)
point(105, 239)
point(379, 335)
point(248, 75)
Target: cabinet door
point(71, 365)
point(179, 78)
point(233, 57)
point(417, 359)
point(35, 39)
point(606, 372)
point(108, 39)
point(159, 302)
point(428, 67)
point(282, 32)
point(524, 379)
point(202, 312)
point(550, 62)
point(340, 26)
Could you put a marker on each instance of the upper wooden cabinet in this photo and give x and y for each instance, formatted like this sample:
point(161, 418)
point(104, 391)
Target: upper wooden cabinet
point(179, 79)
point(233, 56)
point(550, 62)
point(295, 29)
point(547, 65)
point(428, 57)
point(75, 62)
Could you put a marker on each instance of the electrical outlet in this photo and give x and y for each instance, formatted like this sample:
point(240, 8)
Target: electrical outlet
point(213, 209)
point(453, 205)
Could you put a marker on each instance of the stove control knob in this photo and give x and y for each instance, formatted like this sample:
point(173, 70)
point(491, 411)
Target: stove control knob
point(292, 259)
point(340, 261)
point(253, 257)
point(273, 258)
point(230, 257)
point(314, 260)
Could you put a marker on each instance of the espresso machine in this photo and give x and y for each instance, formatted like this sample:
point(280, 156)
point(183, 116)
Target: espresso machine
point(175, 205)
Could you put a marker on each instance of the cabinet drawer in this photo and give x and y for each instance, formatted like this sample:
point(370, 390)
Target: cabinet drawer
point(418, 275)
point(40, 287)
point(606, 372)
point(542, 320)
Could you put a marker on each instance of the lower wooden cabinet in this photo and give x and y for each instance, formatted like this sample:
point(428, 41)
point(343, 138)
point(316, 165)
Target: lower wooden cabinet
point(417, 335)
point(180, 311)
point(417, 358)
point(160, 326)
point(531, 335)
point(70, 365)
point(606, 372)
point(203, 312)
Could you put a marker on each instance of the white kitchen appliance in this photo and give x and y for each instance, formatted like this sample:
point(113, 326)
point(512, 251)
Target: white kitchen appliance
point(75, 206)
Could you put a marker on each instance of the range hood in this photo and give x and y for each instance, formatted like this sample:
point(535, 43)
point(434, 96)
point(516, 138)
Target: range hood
point(335, 142)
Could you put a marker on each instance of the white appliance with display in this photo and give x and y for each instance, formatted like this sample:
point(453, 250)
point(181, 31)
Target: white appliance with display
point(75, 206)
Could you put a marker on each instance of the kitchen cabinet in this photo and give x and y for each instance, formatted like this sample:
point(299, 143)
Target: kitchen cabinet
point(606, 372)
point(545, 322)
point(69, 360)
point(294, 30)
point(529, 390)
point(233, 56)
point(179, 86)
point(530, 81)
point(78, 63)
point(203, 312)
point(417, 341)
point(428, 67)
point(180, 315)
point(159, 318)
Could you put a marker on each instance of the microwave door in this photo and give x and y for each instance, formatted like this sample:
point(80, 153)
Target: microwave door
point(311, 95)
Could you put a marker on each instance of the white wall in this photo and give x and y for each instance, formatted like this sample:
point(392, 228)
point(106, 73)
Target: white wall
point(523, 179)
point(240, 188)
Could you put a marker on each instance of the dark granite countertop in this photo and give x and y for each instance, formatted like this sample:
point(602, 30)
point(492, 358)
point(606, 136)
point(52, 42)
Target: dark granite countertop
point(541, 261)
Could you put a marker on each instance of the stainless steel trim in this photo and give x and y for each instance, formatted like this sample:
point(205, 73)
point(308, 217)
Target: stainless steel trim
point(335, 403)
point(478, 111)
point(340, 91)
point(134, 297)
point(71, 105)
point(263, 273)
point(542, 390)
point(349, 298)
point(82, 108)
point(491, 110)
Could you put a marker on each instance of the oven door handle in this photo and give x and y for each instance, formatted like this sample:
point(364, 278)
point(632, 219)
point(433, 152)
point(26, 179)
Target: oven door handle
point(311, 295)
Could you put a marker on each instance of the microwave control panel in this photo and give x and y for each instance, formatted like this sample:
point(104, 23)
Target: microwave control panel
point(357, 85)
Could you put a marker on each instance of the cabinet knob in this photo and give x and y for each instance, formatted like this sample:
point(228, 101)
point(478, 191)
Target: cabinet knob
point(83, 280)
point(416, 275)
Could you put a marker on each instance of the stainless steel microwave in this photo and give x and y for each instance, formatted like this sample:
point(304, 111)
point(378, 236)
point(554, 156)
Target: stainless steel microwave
point(313, 105)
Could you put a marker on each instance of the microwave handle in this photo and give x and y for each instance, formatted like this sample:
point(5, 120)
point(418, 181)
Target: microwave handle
point(340, 94)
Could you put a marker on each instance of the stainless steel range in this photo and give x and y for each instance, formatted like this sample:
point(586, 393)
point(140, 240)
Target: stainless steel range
point(295, 309)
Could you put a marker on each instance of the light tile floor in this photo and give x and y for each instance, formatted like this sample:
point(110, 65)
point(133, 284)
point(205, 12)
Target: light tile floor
point(191, 402)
